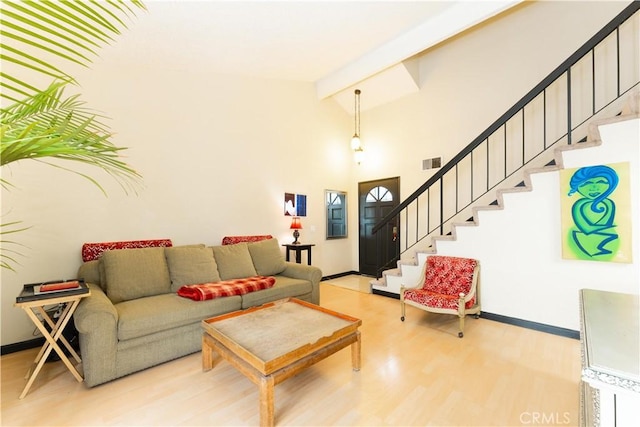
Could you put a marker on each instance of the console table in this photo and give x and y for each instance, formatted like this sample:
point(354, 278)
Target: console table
point(298, 248)
point(610, 352)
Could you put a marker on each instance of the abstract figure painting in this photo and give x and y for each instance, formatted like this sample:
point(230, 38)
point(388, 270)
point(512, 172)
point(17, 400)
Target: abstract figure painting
point(295, 204)
point(289, 204)
point(596, 213)
point(301, 204)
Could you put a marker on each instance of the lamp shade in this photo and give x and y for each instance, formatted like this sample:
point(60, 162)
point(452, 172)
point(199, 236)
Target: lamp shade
point(358, 155)
point(295, 226)
point(355, 142)
point(295, 223)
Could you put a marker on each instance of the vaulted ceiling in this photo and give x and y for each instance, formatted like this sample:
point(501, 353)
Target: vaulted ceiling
point(338, 45)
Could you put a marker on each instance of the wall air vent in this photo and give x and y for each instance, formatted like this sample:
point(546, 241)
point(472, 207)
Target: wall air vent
point(433, 163)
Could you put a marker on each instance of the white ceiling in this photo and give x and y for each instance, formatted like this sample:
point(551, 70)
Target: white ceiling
point(335, 44)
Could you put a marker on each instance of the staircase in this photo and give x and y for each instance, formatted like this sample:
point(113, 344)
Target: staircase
point(409, 269)
point(528, 139)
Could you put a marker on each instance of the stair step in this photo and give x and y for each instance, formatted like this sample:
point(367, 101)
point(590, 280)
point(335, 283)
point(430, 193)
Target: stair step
point(378, 282)
point(392, 272)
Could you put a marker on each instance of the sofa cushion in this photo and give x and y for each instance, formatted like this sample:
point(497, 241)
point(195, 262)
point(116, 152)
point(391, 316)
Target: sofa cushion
point(102, 275)
point(266, 257)
point(144, 316)
point(234, 261)
point(135, 273)
point(190, 265)
point(285, 287)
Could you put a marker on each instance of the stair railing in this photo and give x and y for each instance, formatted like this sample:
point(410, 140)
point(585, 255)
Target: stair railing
point(551, 114)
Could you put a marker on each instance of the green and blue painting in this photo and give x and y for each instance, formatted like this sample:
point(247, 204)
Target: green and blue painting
point(596, 213)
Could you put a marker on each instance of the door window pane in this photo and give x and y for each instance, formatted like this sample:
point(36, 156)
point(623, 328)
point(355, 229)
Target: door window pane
point(379, 194)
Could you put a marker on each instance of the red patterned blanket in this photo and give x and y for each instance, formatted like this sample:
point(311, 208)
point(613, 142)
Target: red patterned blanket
point(227, 288)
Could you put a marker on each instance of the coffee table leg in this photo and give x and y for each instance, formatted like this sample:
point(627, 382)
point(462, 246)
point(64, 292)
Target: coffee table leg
point(266, 401)
point(356, 353)
point(208, 353)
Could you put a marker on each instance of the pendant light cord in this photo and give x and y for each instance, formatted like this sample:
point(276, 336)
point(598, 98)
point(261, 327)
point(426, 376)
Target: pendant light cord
point(357, 112)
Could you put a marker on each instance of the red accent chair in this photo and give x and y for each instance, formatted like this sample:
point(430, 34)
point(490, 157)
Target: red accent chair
point(447, 285)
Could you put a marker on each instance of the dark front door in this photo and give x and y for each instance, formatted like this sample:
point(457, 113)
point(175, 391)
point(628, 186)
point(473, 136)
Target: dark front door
point(375, 200)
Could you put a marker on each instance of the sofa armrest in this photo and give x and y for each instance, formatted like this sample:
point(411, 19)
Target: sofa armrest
point(95, 312)
point(306, 272)
point(96, 320)
point(90, 272)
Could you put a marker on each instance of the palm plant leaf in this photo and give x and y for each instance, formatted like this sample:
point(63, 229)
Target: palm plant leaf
point(49, 125)
point(70, 30)
point(38, 123)
point(8, 255)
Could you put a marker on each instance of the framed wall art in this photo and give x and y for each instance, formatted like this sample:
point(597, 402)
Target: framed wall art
point(295, 204)
point(596, 213)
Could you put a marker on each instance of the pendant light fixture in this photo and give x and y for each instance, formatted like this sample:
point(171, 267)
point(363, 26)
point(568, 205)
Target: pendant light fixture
point(355, 141)
point(356, 144)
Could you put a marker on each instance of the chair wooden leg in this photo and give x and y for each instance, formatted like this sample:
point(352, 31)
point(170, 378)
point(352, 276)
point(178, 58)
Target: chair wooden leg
point(461, 314)
point(461, 332)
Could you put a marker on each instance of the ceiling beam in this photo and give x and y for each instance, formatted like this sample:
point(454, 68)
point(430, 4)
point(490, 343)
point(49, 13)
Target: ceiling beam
point(451, 21)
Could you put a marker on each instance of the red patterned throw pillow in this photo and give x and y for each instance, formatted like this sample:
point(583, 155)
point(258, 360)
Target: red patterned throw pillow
point(232, 240)
point(92, 251)
point(227, 288)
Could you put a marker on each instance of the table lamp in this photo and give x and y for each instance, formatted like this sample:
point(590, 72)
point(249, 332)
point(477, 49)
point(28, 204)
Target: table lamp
point(295, 226)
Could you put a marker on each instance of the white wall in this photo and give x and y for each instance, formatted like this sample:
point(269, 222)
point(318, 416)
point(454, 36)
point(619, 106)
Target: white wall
point(466, 83)
point(217, 152)
point(523, 272)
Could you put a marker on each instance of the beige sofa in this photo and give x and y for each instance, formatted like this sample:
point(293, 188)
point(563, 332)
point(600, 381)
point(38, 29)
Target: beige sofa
point(135, 319)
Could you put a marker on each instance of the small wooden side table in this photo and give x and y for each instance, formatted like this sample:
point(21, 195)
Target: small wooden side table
point(34, 306)
point(298, 248)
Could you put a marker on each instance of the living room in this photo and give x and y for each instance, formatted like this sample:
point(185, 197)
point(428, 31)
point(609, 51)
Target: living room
point(218, 150)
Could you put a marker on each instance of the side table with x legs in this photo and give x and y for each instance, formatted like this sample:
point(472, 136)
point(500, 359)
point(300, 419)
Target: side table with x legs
point(34, 306)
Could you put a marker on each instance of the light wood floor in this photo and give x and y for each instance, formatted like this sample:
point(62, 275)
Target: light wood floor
point(413, 373)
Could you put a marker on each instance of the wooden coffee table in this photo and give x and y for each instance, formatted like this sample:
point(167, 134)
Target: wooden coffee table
point(275, 341)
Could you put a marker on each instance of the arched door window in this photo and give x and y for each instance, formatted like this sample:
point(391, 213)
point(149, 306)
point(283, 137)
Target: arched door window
point(379, 194)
